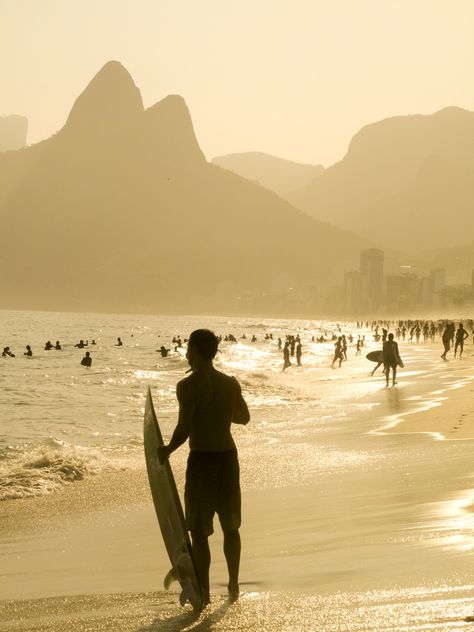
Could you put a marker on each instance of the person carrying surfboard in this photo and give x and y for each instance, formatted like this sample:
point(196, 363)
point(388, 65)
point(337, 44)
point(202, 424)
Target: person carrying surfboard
point(209, 402)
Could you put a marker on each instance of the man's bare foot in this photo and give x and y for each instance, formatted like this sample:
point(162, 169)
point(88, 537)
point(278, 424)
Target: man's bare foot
point(206, 600)
point(234, 592)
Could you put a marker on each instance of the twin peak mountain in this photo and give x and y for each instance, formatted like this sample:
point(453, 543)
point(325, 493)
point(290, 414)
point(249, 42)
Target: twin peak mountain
point(120, 210)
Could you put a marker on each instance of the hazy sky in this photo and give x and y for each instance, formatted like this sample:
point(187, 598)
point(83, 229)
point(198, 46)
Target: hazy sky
point(295, 78)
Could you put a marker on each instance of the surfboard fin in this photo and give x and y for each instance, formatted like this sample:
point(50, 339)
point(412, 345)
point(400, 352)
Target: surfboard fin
point(171, 576)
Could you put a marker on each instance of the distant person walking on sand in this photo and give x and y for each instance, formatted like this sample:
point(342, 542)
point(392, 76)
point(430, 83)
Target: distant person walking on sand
point(461, 335)
point(344, 346)
point(286, 355)
point(298, 353)
point(86, 360)
point(391, 359)
point(446, 338)
point(338, 353)
point(28, 351)
point(209, 402)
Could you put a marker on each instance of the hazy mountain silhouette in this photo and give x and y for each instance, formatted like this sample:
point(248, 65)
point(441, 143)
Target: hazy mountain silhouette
point(13, 132)
point(276, 174)
point(120, 211)
point(406, 182)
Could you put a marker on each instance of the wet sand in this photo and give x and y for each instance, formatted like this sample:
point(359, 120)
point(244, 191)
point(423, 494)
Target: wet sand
point(448, 414)
point(429, 609)
point(385, 544)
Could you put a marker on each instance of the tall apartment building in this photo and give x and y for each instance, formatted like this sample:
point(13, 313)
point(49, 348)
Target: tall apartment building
point(371, 272)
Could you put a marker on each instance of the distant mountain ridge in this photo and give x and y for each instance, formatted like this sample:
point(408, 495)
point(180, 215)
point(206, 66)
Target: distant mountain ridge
point(120, 211)
point(406, 182)
point(277, 174)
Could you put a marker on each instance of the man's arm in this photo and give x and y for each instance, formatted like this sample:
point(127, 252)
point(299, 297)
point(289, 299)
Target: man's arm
point(183, 427)
point(241, 412)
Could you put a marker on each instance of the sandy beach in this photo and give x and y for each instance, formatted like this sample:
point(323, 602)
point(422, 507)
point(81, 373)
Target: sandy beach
point(448, 413)
point(374, 538)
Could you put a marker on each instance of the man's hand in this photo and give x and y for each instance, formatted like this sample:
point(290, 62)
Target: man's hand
point(163, 453)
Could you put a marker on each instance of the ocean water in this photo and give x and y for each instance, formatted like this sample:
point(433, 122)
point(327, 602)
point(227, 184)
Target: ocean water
point(62, 422)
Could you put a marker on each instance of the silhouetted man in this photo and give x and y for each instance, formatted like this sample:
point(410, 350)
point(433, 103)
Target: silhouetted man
point(391, 359)
point(209, 402)
point(298, 353)
point(461, 335)
point(446, 338)
point(286, 355)
point(86, 360)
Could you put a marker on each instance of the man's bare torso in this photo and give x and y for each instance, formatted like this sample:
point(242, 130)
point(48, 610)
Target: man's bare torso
point(209, 402)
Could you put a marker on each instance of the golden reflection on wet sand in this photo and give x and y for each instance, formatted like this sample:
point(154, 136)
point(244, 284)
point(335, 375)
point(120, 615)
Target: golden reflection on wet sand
point(432, 608)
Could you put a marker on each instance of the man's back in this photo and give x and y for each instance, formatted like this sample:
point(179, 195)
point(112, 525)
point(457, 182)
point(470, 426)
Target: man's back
point(215, 400)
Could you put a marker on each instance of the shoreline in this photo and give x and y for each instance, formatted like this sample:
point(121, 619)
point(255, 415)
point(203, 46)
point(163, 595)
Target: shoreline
point(445, 414)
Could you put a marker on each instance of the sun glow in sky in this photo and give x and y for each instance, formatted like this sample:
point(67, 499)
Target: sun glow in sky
point(295, 78)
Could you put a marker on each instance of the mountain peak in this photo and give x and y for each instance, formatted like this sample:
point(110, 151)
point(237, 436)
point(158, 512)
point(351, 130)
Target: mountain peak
point(169, 123)
point(108, 101)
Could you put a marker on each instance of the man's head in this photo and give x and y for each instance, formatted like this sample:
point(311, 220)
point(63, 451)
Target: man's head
point(202, 342)
point(390, 336)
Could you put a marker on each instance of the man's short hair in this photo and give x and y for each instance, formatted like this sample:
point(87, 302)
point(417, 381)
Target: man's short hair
point(206, 342)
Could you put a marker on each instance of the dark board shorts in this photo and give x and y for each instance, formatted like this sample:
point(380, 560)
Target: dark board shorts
point(212, 486)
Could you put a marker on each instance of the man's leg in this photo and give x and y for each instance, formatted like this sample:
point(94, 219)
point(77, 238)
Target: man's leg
point(202, 559)
point(232, 556)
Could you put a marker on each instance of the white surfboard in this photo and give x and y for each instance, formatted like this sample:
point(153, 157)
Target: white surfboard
point(170, 513)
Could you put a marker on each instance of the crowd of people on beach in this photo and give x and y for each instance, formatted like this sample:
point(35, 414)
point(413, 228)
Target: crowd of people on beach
point(383, 331)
